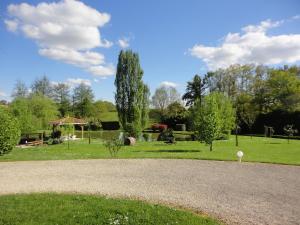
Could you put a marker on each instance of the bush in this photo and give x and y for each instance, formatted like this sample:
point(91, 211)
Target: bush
point(56, 134)
point(113, 146)
point(180, 127)
point(132, 131)
point(166, 135)
point(147, 137)
point(110, 125)
point(9, 132)
point(159, 127)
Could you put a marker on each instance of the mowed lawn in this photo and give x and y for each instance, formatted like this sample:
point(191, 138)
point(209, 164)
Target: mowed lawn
point(62, 209)
point(257, 149)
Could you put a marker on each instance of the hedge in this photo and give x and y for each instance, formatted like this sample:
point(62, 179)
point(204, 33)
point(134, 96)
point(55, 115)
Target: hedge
point(110, 125)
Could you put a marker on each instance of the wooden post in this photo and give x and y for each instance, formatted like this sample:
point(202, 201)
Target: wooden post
point(81, 131)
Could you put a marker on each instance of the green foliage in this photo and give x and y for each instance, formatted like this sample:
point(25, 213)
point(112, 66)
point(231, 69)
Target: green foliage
point(113, 146)
point(247, 111)
point(9, 131)
point(195, 90)
point(145, 107)
point(61, 96)
point(34, 112)
point(130, 93)
point(21, 109)
point(208, 120)
point(83, 101)
point(44, 109)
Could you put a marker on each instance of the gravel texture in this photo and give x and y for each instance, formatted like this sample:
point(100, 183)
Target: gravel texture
point(246, 193)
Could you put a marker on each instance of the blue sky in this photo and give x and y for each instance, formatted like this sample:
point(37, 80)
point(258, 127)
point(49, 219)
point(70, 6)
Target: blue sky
point(175, 39)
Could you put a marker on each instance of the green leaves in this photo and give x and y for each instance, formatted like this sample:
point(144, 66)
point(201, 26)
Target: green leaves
point(132, 95)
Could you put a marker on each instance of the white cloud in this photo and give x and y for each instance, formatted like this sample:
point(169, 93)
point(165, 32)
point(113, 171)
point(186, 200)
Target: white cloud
point(72, 82)
point(73, 57)
point(168, 84)
point(11, 25)
point(123, 42)
point(67, 30)
point(254, 45)
point(102, 70)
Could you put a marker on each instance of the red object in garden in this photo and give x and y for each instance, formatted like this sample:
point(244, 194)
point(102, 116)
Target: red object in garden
point(159, 127)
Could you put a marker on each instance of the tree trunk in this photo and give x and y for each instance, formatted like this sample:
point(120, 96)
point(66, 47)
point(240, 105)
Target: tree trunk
point(236, 137)
point(211, 146)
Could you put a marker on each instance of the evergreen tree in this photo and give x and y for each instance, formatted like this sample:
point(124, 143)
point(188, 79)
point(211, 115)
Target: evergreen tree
point(145, 105)
point(129, 94)
point(195, 90)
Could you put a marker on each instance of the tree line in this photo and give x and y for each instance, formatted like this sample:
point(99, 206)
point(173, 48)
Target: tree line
point(44, 101)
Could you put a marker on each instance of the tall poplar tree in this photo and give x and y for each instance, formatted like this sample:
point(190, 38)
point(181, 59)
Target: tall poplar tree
point(130, 92)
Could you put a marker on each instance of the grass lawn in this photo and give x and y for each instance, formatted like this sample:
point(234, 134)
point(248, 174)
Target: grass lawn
point(256, 149)
point(62, 209)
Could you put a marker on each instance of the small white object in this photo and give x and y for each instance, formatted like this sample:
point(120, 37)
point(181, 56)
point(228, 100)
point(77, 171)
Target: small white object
point(240, 155)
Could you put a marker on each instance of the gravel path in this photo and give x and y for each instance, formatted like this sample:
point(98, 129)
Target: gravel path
point(247, 193)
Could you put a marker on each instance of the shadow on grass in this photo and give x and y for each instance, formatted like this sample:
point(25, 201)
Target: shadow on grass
point(274, 143)
point(170, 151)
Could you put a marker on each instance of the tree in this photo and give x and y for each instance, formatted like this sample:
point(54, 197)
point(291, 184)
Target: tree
point(44, 109)
point(195, 90)
point(9, 131)
point(21, 109)
point(61, 96)
point(42, 86)
point(208, 121)
point(175, 114)
point(226, 113)
point(163, 97)
point(246, 110)
point(145, 106)
point(20, 90)
point(283, 90)
point(129, 94)
point(83, 98)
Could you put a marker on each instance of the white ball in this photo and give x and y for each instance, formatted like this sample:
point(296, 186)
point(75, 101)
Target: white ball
point(240, 154)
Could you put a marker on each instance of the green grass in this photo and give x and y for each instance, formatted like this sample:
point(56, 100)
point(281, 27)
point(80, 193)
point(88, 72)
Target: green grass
point(62, 209)
point(109, 116)
point(256, 149)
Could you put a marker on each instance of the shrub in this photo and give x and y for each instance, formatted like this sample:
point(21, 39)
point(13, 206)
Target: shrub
point(147, 137)
point(113, 146)
point(166, 135)
point(159, 127)
point(9, 132)
point(110, 125)
point(132, 131)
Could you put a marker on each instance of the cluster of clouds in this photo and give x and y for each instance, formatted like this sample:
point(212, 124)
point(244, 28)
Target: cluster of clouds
point(252, 45)
point(73, 82)
point(168, 84)
point(67, 31)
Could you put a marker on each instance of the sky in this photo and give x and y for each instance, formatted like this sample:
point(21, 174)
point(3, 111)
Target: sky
point(79, 41)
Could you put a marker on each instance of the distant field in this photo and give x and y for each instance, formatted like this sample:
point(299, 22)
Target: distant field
point(256, 149)
point(109, 116)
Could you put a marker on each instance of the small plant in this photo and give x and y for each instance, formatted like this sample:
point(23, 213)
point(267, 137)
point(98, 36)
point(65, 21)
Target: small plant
point(113, 146)
point(290, 131)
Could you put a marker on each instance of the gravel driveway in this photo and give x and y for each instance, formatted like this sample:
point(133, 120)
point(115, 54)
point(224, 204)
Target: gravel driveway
point(247, 193)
